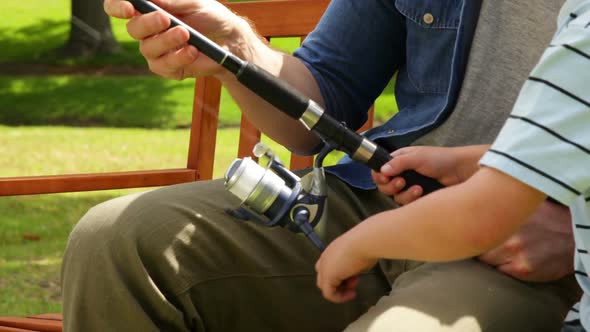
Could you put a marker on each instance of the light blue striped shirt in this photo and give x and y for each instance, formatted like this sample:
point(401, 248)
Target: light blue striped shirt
point(546, 140)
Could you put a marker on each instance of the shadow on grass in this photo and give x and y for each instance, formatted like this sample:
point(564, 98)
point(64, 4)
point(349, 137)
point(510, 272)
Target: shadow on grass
point(34, 43)
point(149, 102)
point(123, 101)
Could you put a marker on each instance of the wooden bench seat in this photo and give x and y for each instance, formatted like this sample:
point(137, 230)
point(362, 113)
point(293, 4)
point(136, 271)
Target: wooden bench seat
point(41, 323)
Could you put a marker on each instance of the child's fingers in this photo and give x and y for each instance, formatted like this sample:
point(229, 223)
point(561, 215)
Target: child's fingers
point(333, 289)
point(409, 195)
point(402, 151)
point(399, 164)
point(347, 289)
point(340, 292)
point(392, 187)
point(350, 283)
point(318, 280)
point(379, 178)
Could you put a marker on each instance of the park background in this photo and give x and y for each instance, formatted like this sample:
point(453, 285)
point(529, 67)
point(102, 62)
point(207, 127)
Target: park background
point(92, 113)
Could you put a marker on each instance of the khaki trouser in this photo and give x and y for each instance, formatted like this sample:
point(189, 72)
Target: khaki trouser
point(171, 259)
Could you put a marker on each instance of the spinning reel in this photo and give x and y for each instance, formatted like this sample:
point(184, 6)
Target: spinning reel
point(275, 196)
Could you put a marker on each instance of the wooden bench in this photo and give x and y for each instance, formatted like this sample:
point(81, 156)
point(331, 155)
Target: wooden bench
point(280, 18)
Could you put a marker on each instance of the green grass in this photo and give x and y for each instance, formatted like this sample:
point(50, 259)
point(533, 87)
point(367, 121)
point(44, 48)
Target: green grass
point(33, 234)
point(64, 150)
point(138, 101)
point(132, 101)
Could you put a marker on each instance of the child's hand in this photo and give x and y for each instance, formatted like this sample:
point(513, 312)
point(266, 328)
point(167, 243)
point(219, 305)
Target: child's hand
point(447, 165)
point(338, 268)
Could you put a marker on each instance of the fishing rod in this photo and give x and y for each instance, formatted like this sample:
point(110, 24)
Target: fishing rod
point(289, 100)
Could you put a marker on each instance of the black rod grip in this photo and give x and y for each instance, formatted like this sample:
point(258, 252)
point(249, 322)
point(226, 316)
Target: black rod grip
point(414, 178)
point(277, 92)
point(348, 141)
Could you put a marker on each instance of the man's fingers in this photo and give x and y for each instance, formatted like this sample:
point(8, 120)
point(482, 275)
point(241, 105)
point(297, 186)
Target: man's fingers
point(165, 42)
point(495, 257)
point(174, 5)
point(146, 25)
point(520, 269)
point(173, 64)
point(118, 8)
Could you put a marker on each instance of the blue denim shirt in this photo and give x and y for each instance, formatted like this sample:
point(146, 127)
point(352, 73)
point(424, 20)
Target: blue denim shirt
point(359, 45)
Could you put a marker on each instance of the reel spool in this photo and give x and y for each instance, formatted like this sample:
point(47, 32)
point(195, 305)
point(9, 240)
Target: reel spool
point(275, 196)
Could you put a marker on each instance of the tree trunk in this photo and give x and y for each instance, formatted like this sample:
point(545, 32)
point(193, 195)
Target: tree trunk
point(90, 31)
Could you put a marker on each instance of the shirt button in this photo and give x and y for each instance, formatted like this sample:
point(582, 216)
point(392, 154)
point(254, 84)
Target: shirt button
point(428, 18)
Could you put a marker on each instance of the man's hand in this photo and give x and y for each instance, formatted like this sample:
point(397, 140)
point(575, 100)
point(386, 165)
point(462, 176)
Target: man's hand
point(542, 250)
point(167, 51)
